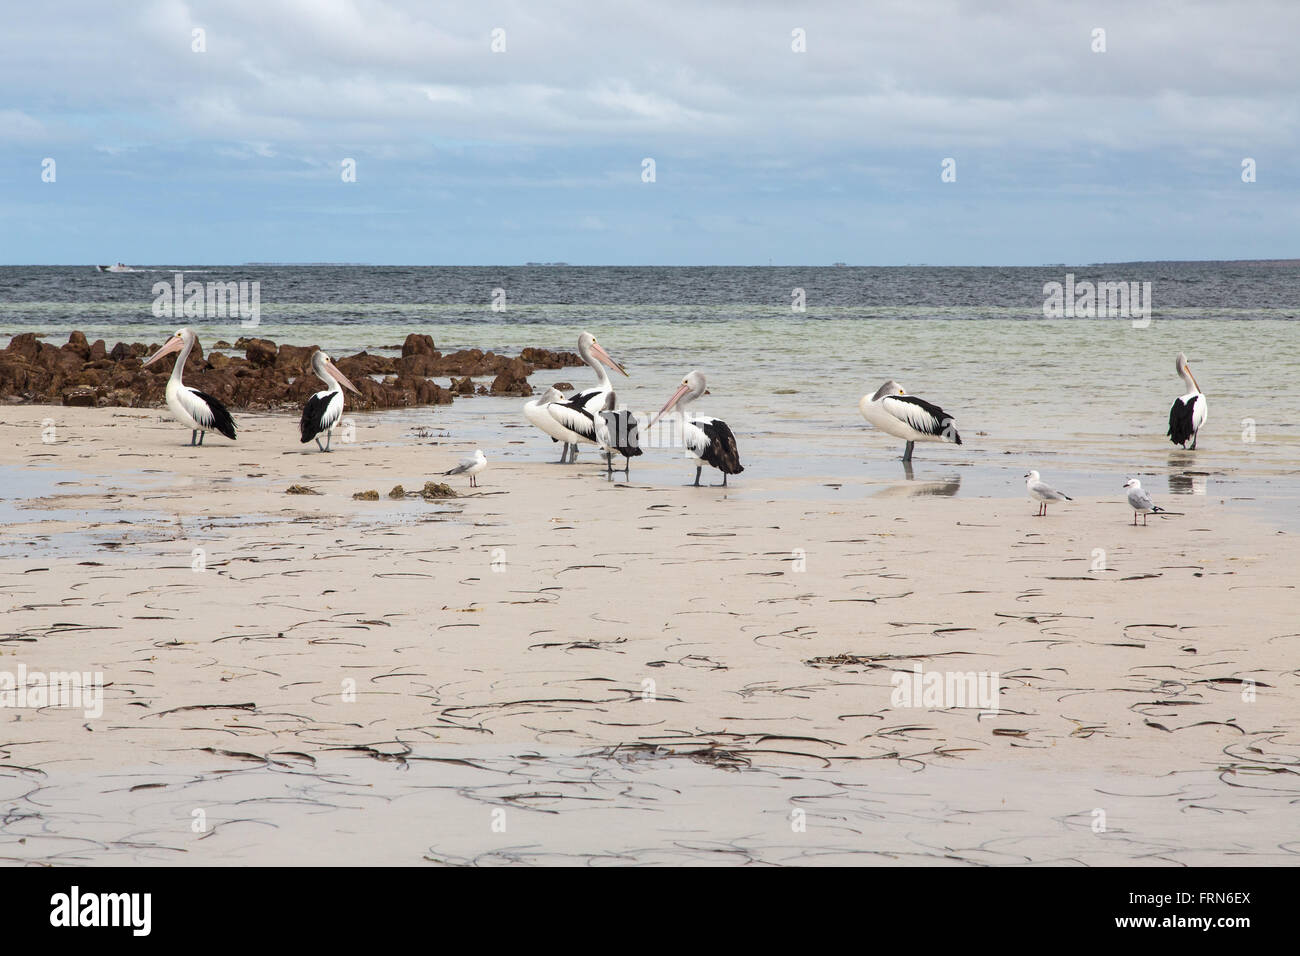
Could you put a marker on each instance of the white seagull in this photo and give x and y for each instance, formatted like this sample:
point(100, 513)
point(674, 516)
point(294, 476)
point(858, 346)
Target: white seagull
point(905, 416)
point(1140, 500)
point(1188, 413)
point(706, 439)
point(1042, 492)
point(470, 466)
point(195, 410)
point(324, 409)
point(537, 413)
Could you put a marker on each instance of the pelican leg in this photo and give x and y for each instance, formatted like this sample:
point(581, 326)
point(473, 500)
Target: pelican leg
point(698, 469)
point(1194, 437)
point(318, 444)
point(564, 453)
point(201, 435)
point(907, 452)
point(328, 436)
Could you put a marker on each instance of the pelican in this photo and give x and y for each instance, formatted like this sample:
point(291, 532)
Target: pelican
point(1140, 501)
point(706, 439)
point(324, 409)
point(592, 400)
point(905, 416)
point(536, 411)
point(1187, 414)
point(196, 410)
point(1042, 492)
point(617, 431)
point(470, 466)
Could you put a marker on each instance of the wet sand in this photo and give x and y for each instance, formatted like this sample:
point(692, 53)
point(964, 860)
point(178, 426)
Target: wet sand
point(622, 672)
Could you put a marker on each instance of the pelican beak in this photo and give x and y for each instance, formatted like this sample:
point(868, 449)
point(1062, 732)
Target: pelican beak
point(174, 344)
point(604, 356)
point(340, 377)
point(677, 397)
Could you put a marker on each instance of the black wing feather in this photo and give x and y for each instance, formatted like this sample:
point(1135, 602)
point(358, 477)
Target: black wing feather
point(313, 413)
point(721, 452)
point(625, 437)
point(220, 420)
point(1180, 421)
point(942, 424)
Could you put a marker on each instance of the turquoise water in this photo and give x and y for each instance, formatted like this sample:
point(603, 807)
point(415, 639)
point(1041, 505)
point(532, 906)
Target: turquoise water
point(1084, 400)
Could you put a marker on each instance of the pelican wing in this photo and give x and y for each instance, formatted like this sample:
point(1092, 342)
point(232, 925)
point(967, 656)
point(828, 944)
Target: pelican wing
point(712, 441)
point(207, 411)
point(321, 413)
point(1183, 416)
point(619, 431)
point(926, 418)
point(573, 416)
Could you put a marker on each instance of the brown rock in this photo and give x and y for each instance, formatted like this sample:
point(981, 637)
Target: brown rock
point(260, 352)
point(417, 344)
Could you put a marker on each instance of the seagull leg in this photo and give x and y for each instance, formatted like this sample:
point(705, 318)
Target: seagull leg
point(907, 452)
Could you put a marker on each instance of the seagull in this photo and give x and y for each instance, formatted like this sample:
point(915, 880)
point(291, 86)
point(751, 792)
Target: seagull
point(1188, 413)
point(1140, 500)
point(1042, 492)
point(905, 416)
point(470, 466)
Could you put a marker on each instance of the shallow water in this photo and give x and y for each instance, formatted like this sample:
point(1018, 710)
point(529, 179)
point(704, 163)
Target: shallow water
point(1084, 401)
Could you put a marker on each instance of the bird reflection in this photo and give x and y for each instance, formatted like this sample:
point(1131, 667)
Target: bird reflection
point(940, 487)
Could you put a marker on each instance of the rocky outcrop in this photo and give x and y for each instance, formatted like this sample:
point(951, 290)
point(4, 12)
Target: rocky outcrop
point(265, 376)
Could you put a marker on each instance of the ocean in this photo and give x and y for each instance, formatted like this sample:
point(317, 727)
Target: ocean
point(788, 352)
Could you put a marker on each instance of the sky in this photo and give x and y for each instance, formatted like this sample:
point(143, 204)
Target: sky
point(504, 132)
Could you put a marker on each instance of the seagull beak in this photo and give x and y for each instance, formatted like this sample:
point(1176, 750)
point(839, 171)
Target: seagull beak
point(677, 397)
point(604, 356)
point(340, 377)
point(173, 345)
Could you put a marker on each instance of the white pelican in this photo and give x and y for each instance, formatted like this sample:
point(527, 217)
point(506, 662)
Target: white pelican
point(706, 439)
point(593, 399)
point(1188, 413)
point(470, 466)
point(536, 412)
point(1140, 501)
point(195, 410)
point(324, 409)
point(1042, 492)
point(617, 431)
point(905, 416)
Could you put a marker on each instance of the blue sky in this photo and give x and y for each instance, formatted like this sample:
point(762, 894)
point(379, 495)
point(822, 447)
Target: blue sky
point(469, 156)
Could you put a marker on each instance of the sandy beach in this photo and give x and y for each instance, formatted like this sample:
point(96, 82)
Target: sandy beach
point(558, 668)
